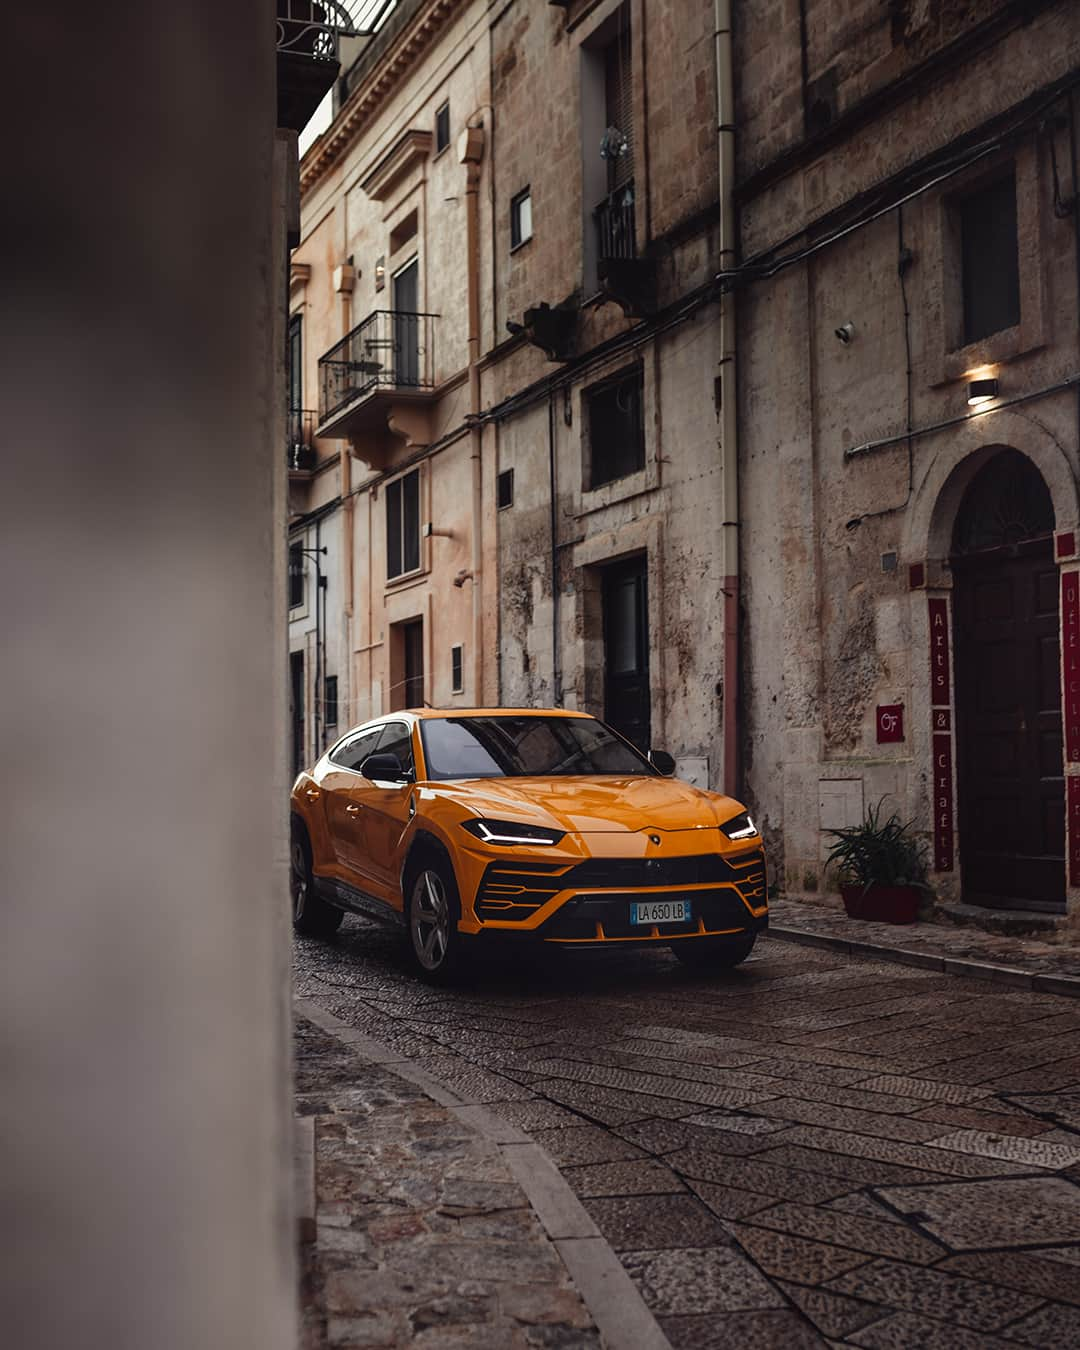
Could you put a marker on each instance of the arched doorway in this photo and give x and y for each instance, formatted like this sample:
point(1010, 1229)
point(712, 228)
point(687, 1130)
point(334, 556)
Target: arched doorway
point(1010, 779)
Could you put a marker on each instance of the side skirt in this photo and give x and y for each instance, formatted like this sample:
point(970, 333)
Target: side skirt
point(346, 897)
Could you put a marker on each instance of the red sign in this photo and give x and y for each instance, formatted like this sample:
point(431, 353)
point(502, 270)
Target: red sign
point(1073, 800)
point(939, 653)
point(890, 723)
point(943, 804)
point(1070, 645)
point(943, 719)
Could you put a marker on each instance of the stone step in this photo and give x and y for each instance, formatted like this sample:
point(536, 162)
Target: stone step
point(1012, 922)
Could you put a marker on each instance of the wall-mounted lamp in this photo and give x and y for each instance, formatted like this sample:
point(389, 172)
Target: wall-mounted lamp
point(981, 391)
point(380, 273)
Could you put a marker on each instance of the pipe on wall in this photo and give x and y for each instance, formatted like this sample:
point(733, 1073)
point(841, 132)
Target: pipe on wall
point(472, 153)
point(729, 462)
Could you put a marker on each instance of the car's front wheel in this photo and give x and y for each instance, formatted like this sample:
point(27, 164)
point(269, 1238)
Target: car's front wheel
point(432, 918)
point(713, 953)
point(312, 916)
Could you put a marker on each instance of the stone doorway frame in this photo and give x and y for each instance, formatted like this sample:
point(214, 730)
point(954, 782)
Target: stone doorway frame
point(927, 543)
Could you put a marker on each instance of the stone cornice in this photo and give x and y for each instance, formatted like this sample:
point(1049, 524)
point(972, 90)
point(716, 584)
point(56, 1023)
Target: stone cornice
point(396, 64)
point(409, 148)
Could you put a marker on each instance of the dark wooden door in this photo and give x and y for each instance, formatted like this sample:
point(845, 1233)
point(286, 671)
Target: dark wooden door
point(1008, 699)
point(627, 704)
point(296, 710)
point(413, 635)
point(406, 326)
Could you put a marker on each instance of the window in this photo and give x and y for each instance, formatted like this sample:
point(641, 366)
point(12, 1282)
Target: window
point(296, 575)
point(521, 218)
point(618, 140)
point(352, 751)
point(403, 525)
point(295, 363)
point(330, 712)
point(442, 128)
point(989, 259)
point(616, 434)
point(504, 489)
point(457, 674)
point(396, 739)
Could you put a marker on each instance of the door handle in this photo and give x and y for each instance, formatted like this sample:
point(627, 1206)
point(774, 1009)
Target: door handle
point(352, 810)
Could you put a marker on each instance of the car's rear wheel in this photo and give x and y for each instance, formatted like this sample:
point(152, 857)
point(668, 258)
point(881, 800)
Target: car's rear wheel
point(432, 919)
point(312, 916)
point(713, 953)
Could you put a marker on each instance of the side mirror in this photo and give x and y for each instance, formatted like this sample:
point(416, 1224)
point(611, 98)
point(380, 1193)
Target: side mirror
point(662, 762)
point(384, 769)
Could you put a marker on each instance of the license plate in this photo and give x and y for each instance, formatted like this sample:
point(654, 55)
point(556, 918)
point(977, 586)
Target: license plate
point(659, 911)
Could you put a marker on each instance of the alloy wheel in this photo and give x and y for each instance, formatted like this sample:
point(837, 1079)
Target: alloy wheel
point(429, 920)
point(298, 879)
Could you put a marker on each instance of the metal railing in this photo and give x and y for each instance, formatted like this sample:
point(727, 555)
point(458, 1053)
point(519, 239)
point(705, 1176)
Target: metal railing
point(615, 224)
point(391, 349)
point(300, 452)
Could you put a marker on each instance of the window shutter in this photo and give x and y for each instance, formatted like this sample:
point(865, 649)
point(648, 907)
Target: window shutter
point(619, 99)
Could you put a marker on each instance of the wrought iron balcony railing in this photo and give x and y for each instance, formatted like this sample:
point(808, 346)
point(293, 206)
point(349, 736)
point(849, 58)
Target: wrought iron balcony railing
point(391, 350)
point(309, 33)
point(300, 452)
point(615, 224)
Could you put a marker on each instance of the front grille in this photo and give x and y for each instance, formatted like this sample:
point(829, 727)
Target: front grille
point(514, 890)
point(720, 911)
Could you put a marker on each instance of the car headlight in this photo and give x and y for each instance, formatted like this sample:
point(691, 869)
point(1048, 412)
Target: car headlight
point(511, 832)
point(740, 827)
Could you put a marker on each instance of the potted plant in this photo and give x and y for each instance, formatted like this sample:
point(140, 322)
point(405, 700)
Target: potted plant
point(881, 868)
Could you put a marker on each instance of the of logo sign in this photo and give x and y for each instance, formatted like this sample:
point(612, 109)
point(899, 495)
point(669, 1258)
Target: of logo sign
point(890, 723)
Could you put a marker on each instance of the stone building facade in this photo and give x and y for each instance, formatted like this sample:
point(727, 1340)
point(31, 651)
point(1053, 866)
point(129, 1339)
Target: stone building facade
point(537, 510)
point(909, 433)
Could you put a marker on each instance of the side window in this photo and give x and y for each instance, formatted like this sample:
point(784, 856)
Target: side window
point(353, 753)
point(397, 740)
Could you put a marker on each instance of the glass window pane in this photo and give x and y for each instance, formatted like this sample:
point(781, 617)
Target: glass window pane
point(410, 486)
point(393, 530)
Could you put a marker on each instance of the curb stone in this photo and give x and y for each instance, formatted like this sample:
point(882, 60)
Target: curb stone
point(1065, 985)
point(610, 1296)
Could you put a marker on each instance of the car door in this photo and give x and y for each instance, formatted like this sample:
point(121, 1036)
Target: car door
point(344, 813)
point(386, 811)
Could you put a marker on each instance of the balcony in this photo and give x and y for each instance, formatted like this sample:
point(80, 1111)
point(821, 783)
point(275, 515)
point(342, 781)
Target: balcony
point(307, 57)
point(371, 377)
point(626, 278)
point(301, 455)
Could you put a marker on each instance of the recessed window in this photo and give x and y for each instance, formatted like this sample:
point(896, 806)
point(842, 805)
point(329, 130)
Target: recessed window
point(403, 525)
point(504, 489)
point(457, 672)
point(616, 431)
point(401, 234)
point(442, 128)
point(989, 259)
point(296, 575)
point(296, 364)
point(330, 708)
point(521, 218)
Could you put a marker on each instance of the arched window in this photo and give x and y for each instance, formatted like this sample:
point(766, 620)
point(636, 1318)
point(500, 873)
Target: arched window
point(1007, 502)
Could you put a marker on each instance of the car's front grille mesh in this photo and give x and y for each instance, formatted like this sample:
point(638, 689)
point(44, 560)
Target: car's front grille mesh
point(515, 889)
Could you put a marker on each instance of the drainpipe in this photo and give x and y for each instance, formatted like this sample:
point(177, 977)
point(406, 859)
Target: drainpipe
point(471, 154)
point(729, 465)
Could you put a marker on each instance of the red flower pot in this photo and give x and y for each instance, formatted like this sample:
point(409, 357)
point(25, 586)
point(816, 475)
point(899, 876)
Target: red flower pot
point(882, 904)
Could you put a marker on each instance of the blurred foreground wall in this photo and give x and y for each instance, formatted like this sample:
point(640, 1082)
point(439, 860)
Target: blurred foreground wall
point(143, 948)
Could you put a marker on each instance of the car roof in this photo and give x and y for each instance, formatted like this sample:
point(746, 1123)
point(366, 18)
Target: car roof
point(428, 713)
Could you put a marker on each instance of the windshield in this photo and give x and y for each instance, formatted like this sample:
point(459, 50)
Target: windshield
point(524, 747)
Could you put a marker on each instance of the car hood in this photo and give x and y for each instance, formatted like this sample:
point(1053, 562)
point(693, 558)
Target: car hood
point(594, 805)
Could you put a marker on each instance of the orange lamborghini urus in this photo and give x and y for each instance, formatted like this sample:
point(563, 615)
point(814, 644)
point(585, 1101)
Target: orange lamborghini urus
point(515, 823)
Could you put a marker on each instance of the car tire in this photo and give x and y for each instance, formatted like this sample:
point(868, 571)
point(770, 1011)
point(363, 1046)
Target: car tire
point(432, 910)
point(713, 953)
point(311, 915)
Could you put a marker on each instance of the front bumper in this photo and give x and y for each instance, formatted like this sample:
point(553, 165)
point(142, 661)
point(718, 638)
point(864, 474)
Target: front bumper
point(588, 904)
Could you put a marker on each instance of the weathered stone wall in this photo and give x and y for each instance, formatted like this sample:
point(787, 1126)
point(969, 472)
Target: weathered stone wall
point(832, 629)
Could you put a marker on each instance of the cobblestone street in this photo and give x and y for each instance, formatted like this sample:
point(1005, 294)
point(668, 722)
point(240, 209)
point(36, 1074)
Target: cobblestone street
point(814, 1149)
